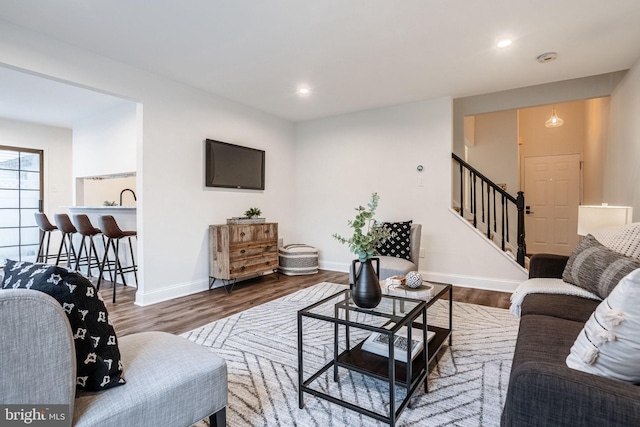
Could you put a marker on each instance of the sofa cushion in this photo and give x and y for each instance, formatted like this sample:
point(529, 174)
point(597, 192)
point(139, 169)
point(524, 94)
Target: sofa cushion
point(392, 266)
point(547, 266)
point(546, 286)
point(97, 354)
point(609, 343)
point(171, 381)
point(569, 307)
point(399, 245)
point(596, 268)
point(544, 391)
point(545, 339)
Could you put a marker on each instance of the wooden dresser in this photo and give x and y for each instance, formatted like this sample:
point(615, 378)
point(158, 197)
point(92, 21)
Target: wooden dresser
point(242, 250)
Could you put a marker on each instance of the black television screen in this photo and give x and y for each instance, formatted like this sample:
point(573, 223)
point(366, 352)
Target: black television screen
point(233, 166)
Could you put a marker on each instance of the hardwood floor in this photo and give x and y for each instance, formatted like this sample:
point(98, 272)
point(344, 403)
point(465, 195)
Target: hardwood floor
point(186, 313)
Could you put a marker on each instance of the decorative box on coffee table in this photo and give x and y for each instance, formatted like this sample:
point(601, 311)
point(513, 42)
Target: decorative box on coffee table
point(242, 250)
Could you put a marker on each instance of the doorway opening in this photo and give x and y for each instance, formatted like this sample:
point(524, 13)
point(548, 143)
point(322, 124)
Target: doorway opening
point(509, 145)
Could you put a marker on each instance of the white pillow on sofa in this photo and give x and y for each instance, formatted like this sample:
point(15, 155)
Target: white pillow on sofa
point(624, 239)
point(609, 343)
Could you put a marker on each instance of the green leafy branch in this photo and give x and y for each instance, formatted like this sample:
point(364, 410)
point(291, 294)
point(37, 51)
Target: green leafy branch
point(363, 244)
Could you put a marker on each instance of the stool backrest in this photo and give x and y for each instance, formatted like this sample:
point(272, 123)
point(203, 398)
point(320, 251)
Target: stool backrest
point(64, 223)
point(84, 226)
point(109, 227)
point(43, 222)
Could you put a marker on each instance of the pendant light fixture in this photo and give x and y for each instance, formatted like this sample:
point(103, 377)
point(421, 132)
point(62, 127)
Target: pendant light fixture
point(554, 121)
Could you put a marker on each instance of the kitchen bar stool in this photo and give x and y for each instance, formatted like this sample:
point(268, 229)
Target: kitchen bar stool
point(114, 234)
point(87, 230)
point(46, 228)
point(68, 230)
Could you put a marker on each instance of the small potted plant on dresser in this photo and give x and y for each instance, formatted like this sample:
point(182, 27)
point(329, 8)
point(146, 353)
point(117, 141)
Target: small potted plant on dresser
point(250, 217)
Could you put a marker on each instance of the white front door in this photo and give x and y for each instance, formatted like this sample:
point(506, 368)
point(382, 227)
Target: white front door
point(552, 196)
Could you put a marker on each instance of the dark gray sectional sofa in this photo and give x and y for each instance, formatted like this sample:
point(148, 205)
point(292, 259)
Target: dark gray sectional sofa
point(543, 390)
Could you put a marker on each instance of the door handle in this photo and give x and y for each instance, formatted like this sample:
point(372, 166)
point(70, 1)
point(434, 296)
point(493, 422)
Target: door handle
point(527, 210)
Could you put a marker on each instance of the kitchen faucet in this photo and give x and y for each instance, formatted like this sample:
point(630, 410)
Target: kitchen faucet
point(127, 189)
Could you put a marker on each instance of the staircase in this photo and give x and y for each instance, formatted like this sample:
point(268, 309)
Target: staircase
point(488, 207)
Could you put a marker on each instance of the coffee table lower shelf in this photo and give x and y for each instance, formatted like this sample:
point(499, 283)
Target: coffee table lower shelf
point(364, 362)
point(377, 366)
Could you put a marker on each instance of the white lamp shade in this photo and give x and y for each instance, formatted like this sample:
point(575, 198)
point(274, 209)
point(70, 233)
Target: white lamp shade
point(592, 218)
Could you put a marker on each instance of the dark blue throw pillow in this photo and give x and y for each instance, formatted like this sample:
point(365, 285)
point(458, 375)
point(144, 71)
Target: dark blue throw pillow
point(98, 358)
point(399, 245)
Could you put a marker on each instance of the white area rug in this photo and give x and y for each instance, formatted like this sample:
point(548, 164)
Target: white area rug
point(467, 388)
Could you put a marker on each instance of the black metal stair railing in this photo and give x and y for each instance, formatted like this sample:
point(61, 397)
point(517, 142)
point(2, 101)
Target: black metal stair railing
point(488, 216)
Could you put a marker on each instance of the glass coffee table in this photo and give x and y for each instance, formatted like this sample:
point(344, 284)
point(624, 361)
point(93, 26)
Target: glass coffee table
point(384, 331)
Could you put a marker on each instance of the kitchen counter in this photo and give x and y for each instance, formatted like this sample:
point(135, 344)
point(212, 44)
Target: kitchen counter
point(100, 207)
point(125, 216)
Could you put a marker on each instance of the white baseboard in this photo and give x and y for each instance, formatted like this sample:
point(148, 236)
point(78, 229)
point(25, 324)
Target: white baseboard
point(171, 292)
point(487, 283)
point(477, 282)
point(179, 290)
point(334, 266)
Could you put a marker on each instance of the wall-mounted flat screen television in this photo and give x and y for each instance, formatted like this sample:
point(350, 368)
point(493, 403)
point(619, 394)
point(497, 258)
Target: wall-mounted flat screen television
point(233, 166)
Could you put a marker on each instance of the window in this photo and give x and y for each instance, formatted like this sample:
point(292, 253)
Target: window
point(20, 197)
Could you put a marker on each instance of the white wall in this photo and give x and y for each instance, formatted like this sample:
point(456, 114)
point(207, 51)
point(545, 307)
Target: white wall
point(56, 143)
point(174, 208)
point(341, 160)
point(596, 136)
point(621, 172)
point(539, 140)
point(494, 154)
point(495, 148)
point(97, 191)
point(106, 143)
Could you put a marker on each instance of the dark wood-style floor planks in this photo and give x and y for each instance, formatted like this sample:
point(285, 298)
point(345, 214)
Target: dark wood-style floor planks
point(183, 314)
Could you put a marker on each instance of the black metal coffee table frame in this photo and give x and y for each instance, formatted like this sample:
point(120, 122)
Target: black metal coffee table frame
point(396, 373)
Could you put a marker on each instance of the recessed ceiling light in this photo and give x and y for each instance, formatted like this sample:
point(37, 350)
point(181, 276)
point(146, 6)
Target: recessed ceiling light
point(304, 90)
point(504, 43)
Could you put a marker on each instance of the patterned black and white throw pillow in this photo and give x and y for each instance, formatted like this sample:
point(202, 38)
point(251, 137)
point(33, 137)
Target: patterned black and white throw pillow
point(98, 358)
point(400, 244)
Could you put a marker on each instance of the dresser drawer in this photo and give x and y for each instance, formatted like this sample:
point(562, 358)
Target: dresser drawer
point(243, 250)
point(265, 231)
point(251, 232)
point(252, 265)
point(241, 233)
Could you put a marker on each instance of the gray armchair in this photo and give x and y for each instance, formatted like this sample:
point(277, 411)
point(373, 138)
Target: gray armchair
point(170, 380)
point(393, 266)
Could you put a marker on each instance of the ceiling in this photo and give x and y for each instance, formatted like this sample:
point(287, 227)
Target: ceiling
point(31, 98)
point(354, 55)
